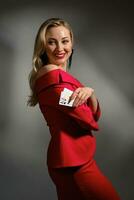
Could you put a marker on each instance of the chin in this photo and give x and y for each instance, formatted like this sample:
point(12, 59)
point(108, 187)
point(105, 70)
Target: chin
point(61, 62)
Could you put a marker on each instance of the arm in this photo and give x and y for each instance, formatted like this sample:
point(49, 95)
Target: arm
point(86, 94)
point(93, 103)
point(82, 114)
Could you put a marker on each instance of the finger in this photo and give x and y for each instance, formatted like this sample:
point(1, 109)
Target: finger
point(78, 90)
point(78, 99)
point(75, 93)
point(82, 99)
point(72, 97)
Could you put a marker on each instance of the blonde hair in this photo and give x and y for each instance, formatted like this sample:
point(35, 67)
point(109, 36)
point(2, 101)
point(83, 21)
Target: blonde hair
point(39, 55)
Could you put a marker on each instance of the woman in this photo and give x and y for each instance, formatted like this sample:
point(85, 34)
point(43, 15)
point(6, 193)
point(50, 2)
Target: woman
point(71, 111)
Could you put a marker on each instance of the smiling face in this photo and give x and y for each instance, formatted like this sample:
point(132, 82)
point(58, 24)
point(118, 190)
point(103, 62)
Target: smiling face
point(58, 45)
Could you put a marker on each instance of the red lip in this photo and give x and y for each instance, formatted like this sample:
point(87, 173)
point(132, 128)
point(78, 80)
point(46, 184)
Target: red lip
point(60, 55)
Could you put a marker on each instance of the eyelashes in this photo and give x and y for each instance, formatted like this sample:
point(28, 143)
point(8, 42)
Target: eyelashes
point(65, 41)
point(54, 42)
point(51, 42)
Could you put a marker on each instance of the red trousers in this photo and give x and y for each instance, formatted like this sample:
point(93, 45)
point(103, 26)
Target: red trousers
point(85, 182)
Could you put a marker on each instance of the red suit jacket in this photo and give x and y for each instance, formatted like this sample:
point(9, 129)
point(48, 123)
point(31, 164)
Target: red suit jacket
point(72, 142)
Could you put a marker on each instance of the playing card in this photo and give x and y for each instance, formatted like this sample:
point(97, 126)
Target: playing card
point(64, 97)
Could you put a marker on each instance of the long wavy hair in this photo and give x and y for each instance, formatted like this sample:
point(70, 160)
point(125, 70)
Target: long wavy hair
point(39, 55)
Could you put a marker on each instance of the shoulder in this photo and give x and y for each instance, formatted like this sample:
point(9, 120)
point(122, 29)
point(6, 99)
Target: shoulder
point(55, 76)
point(49, 67)
point(45, 69)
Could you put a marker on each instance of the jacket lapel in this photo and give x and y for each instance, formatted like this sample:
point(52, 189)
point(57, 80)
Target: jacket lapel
point(54, 77)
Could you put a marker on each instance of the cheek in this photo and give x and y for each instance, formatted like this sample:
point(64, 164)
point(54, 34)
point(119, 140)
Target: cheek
point(49, 50)
point(69, 54)
point(69, 48)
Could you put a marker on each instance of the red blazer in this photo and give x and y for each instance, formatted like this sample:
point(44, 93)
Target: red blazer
point(72, 142)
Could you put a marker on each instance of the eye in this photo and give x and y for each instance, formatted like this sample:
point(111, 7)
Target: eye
point(51, 42)
point(65, 41)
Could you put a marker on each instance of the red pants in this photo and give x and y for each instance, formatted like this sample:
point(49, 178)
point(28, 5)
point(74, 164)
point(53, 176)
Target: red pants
point(85, 182)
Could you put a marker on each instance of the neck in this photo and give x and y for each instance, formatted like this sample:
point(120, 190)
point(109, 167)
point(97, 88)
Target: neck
point(63, 66)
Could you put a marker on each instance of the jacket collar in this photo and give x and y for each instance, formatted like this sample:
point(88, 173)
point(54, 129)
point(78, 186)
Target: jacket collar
point(54, 77)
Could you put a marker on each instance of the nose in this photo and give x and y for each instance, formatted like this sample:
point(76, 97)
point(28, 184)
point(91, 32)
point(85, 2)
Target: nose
point(59, 46)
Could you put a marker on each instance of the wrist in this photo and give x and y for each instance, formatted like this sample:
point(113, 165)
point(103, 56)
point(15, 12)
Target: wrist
point(92, 92)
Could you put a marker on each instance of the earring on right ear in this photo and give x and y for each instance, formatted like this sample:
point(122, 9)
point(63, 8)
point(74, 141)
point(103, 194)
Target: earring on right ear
point(70, 59)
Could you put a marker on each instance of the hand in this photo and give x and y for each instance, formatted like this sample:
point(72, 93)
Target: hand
point(81, 94)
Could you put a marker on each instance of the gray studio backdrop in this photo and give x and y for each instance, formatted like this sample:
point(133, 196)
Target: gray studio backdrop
point(103, 59)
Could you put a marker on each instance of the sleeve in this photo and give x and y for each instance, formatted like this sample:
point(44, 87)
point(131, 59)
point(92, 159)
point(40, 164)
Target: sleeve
point(82, 114)
point(97, 114)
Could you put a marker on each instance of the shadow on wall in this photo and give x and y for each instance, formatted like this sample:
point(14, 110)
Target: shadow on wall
point(23, 176)
point(115, 138)
point(6, 74)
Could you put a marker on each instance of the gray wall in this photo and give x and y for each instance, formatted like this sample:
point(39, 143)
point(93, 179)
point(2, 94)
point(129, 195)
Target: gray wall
point(103, 59)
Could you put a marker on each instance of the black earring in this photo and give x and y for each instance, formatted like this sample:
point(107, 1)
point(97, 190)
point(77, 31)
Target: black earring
point(70, 59)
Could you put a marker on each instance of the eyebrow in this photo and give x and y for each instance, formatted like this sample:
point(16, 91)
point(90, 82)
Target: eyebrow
point(55, 39)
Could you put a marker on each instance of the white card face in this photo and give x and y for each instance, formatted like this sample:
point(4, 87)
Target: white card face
point(64, 97)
